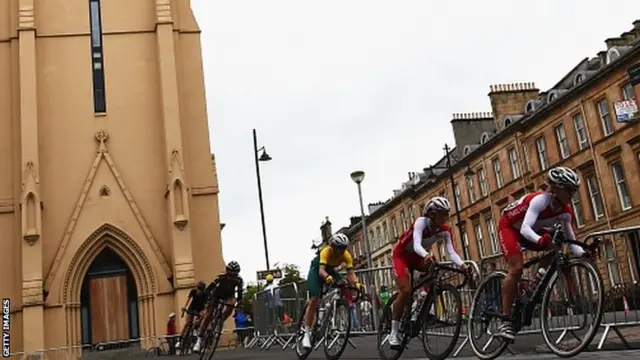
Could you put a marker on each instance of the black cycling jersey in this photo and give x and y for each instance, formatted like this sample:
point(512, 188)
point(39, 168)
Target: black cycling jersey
point(224, 287)
point(198, 300)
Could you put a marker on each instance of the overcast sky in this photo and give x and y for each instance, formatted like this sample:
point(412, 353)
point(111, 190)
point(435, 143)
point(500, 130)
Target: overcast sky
point(335, 86)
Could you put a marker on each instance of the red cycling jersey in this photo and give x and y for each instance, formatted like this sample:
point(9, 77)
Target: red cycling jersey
point(411, 249)
point(526, 217)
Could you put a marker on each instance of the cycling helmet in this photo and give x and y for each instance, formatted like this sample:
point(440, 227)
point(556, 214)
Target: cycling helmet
point(439, 204)
point(339, 240)
point(233, 267)
point(201, 285)
point(564, 177)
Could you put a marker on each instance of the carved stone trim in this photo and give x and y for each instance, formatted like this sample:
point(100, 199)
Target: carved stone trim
point(103, 154)
point(26, 15)
point(120, 242)
point(163, 12)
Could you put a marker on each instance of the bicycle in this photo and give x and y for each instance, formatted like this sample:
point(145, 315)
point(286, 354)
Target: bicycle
point(187, 341)
point(525, 303)
point(213, 332)
point(162, 349)
point(327, 309)
point(410, 328)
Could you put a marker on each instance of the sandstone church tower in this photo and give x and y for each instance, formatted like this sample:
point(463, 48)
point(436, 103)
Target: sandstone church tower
point(108, 192)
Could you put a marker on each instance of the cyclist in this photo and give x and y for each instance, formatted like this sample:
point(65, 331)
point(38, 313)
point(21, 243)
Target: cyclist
point(195, 304)
point(222, 288)
point(520, 224)
point(410, 253)
point(322, 270)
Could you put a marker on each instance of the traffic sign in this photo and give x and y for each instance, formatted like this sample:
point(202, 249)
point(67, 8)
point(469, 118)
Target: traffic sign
point(262, 275)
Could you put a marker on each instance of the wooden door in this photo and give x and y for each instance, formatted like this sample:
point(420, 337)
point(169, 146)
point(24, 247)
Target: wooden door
point(109, 313)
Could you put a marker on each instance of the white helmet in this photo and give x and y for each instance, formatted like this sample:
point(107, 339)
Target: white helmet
point(439, 204)
point(564, 177)
point(339, 240)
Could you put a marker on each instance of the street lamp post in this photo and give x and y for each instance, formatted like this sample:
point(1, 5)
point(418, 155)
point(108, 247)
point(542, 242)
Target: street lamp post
point(468, 172)
point(358, 177)
point(263, 157)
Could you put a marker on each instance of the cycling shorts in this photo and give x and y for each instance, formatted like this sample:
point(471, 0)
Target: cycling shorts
point(404, 262)
point(315, 281)
point(512, 242)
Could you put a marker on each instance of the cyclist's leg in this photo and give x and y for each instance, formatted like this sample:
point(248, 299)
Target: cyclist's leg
point(402, 267)
point(510, 243)
point(203, 325)
point(314, 285)
point(186, 327)
point(226, 312)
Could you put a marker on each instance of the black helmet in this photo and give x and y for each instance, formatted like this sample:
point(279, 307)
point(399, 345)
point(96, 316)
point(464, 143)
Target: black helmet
point(233, 267)
point(201, 285)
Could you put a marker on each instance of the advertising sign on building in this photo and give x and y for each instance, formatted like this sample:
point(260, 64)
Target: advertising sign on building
point(626, 110)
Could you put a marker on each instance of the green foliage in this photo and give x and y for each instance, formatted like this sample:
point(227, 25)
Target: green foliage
point(290, 274)
point(249, 292)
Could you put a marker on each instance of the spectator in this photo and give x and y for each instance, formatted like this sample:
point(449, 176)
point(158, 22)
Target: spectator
point(275, 302)
point(242, 324)
point(171, 333)
point(366, 313)
point(384, 295)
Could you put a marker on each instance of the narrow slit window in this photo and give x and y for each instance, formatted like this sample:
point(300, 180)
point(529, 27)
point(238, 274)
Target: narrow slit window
point(97, 58)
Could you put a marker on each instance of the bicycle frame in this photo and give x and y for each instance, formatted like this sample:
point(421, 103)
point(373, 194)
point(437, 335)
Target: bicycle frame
point(432, 281)
point(559, 262)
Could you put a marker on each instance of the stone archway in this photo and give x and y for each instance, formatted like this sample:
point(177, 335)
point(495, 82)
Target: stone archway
point(132, 254)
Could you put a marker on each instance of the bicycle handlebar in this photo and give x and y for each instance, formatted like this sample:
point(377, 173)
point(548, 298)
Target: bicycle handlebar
point(347, 286)
point(559, 239)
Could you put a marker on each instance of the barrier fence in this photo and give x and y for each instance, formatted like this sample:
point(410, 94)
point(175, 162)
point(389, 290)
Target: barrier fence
point(619, 265)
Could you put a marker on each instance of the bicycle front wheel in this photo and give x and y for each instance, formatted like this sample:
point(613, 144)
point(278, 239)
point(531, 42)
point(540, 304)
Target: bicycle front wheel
point(385, 351)
point(217, 331)
point(442, 314)
point(336, 330)
point(575, 293)
point(484, 318)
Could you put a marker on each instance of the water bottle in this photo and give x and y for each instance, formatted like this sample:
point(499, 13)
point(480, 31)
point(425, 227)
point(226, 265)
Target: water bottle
point(320, 314)
point(539, 276)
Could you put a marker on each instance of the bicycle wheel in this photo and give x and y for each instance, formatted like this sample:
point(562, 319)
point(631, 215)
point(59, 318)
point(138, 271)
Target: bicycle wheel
point(384, 330)
point(486, 304)
point(572, 306)
point(442, 310)
point(337, 329)
point(217, 331)
point(301, 352)
point(185, 342)
point(154, 352)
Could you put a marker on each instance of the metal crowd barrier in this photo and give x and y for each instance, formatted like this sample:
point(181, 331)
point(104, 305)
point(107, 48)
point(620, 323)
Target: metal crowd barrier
point(275, 316)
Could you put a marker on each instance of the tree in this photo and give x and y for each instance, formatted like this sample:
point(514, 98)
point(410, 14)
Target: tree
point(290, 274)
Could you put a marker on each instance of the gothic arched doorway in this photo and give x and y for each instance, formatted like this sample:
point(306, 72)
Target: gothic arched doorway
point(109, 301)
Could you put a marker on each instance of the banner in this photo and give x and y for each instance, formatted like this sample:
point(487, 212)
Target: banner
point(626, 110)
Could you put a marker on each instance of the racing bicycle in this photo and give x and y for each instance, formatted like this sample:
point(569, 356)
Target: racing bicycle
point(213, 332)
point(487, 301)
point(439, 289)
point(332, 313)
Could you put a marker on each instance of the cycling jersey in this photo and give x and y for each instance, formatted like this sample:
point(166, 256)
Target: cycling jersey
point(412, 247)
point(224, 286)
point(329, 257)
point(527, 216)
point(198, 300)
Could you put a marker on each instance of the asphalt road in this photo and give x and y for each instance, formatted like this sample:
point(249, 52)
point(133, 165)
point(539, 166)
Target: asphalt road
point(525, 347)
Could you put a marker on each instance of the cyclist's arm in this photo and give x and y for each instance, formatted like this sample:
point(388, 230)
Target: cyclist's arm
point(348, 261)
point(418, 229)
point(567, 219)
point(240, 291)
point(453, 255)
point(191, 294)
point(536, 206)
point(324, 260)
point(214, 284)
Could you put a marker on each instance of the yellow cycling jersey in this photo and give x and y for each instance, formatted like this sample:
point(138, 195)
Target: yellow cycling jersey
point(328, 257)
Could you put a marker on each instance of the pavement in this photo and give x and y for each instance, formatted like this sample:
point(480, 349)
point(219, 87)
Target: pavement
point(525, 347)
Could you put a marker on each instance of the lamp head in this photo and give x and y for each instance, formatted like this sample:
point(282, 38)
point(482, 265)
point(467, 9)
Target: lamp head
point(357, 176)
